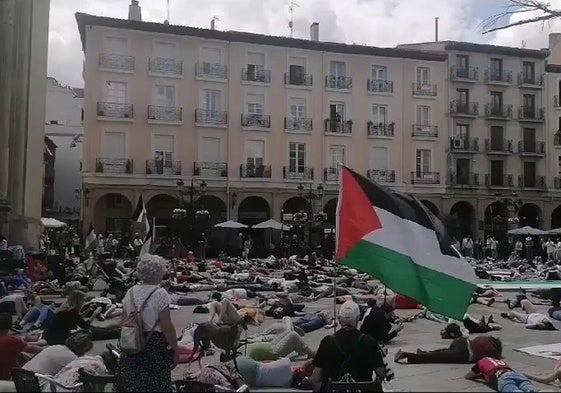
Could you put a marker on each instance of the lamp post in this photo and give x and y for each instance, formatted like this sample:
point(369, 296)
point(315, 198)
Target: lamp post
point(311, 196)
point(190, 191)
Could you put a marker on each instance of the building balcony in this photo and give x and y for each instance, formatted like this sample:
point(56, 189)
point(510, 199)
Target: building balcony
point(331, 175)
point(464, 109)
point(115, 110)
point(210, 169)
point(211, 71)
point(556, 102)
point(557, 183)
point(254, 120)
point(298, 79)
point(379, 86)
point(168, 114)
point(424, 131)
point(498, 112)
point(116, 62)
point(535, 81)
point(500, 181)
point(302, 173)
point(529, 182)
point(114, 165)
point(469, 180)
point(425, 177)
point(297, 124)
point(501, 146)
point(210, 117)
point(165, 66)
point(380, 129)
point(464, 145)
point(338, 127)
point(381, 176)
point(255, 171)
point(256, 75)
point(338, 82)
point(421, 90)
point(557, 138)
point(464, 74)
point(498, 78)
point(531, 114)
point(161, 167)
point(533, 148)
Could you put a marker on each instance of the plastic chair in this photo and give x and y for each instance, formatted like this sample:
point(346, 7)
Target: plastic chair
point(25, 381)
point(95, 383)
point(345, 387)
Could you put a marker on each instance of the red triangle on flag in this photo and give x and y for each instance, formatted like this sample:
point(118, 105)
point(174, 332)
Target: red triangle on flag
point(356, 215)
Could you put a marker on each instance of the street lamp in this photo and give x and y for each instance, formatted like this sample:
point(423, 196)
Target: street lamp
point(190, 191)
point(311, 196)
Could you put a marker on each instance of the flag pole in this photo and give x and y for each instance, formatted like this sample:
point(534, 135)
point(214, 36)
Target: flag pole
point(340, 175)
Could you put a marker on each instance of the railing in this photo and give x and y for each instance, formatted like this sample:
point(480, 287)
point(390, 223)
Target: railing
point(256, 75)
point(504, 146)
point(557, 138)
point(469, 180)
point(256, 120)
point(161, 167)
point(556, 102)
point(165, 113)
point(464, 144)
point(303, 173)
point(465, 73)
point(379, 86)
point(253, 171)
point(533, 147)
point(425, 177)
point(381, 175)
point(338, 126)
point(533, 79)
point(423, 130)
point(499, 181)
point(165, 66)
point(210, 169)
point(331, 174)
point(500, 77)
point(498, 111)
point(297, 124)
point(532, 182)
point(115, 109)
point(531, 113)
point(207, 70)
point(423, 90)
point(464, 108)
point(113, 165)
point(114, 61)
point(338, 82)
point(298, 79)
point(204, 116)
point(380, 129)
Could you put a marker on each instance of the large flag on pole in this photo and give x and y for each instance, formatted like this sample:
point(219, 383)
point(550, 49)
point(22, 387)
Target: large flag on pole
point(396, 239)
point(140, 215)
point(90, 242)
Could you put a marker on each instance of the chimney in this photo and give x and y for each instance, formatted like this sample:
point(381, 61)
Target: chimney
point(134, 11)
point(314, 31)
point(436, 29)
point(213, 24)
point(554, 40)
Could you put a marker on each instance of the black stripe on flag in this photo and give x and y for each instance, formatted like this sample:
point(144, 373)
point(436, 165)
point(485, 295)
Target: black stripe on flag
point(139, 208)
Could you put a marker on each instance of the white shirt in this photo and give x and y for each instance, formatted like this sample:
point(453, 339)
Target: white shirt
point(50, 360)
point(550, 246)
point(236, 293)
point(156, 304)
point(535, 318)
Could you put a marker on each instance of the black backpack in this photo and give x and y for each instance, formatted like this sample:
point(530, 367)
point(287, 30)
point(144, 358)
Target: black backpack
point(346, 372)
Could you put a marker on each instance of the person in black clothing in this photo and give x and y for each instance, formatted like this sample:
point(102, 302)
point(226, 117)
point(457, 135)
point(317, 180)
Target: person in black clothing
point(377, 324)
point(348, 352)
point(67, 318)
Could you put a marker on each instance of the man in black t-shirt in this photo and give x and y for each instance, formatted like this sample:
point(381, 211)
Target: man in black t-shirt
point(348, 351)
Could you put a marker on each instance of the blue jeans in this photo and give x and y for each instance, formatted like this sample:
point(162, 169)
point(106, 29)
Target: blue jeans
point(309, 323)
point(40, 317)
point(512, 381)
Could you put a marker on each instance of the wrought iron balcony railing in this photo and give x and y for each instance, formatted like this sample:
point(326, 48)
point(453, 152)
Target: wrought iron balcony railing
point(467, 180)
point(381, 175)
point(297, 124)
point(114, 165)
point(498, 111)
point(205, 116)
point(531, 114)
point(557, 183)
point(506, 181)
point(531, 147)
point(161, 167)
point(255, 171)
point(536, 80)
point(115, 110)
point(458, 108)
point(424, 90)
point(338, 127)
point(208, 70)
point(536, 182)
point(338, 82)
point(331, 174)
point(256, 120)
point(256, 75)
point(210, 169)
point(557, 138)
point(504, 77)
point(464, 73)
point(425, 177)
point(498, 146)
point(464, 144)
point(424, 130)
point(165, 66)
point(165, 113)
point(301, 173)
point(114, 61)
point(296, 79)
point(379, 86)
point(380, 129)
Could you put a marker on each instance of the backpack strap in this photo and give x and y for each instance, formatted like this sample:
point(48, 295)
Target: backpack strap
point(139, 311)
point(348, 355)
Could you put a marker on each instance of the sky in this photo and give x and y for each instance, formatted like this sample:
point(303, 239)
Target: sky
point(383, 23)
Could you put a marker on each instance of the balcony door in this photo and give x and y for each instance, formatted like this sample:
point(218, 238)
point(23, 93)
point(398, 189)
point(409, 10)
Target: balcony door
point(379, 115)
point(528, 72)
point(529, 174)
point(423, 115)
point(336, 155)
point(209, 157)
point(210, 56)
point(529, 139)
point(212, 104)
point(164, 50)
point(255, 157)
point(497, 138)
point(462, 97)
point(462, 66)
point(163, 153)
point(296, 70)
point(423, 76)
point(462, 171)
point(338, 69)
point(255, 104)
point(379, 73)
point(296, 158)
point(497, 168)
point(164, 95)
point(529, 105)
point(461, 132)
point(255, 66)
point(115, 145)
point(423, 158)
point(297, 108)
point(496, 103)
point(117, 92)
point(496, 69)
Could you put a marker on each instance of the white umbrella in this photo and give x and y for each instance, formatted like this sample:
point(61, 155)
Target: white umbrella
point(271, 224)
point(49, 222)
point(231, 224)
point(556, 231)
point(527, 231)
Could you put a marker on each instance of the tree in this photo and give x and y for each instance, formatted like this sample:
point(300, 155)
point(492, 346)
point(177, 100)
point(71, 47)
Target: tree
point(542, 8)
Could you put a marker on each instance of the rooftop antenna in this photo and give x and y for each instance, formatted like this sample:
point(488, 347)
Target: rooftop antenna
point(213, 22)
point(291, 6)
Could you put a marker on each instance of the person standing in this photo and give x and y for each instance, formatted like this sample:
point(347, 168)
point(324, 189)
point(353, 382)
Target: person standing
point(247, 245)
point(493, 246)
point(478, 249)
point(529, 243)
point(76, 244)
point(467, 246)
point(518, 248)
point(550, 249)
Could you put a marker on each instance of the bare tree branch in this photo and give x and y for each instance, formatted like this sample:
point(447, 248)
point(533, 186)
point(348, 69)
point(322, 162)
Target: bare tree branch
point(516, 7)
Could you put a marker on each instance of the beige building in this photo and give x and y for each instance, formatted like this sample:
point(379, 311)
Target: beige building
point(253, 117)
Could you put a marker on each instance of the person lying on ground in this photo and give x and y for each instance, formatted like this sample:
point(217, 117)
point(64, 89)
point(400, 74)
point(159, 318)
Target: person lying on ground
point(425, 314)
point(275, 374)
point(377, 323)
point(552, 294)
point(555, 375)
point(284, 307)
point(39, 315)
point(281, 346)
point(104, 364)
point(517, 302)
point(483, 296)
point(499, 376)
point(102, 308)
point(461, 350)
point(310, 322)
point(480, 326)
point(274, 330)
point(14, 304)
point(531, 317)
point(222, 311)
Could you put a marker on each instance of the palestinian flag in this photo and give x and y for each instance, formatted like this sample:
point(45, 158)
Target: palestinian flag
point(90, 242)
point(396, 239)
point(141, 215)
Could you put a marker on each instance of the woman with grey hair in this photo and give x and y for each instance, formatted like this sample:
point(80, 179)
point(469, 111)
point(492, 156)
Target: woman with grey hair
point(150, 369)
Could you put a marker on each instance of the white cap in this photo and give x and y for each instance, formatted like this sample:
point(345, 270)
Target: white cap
point(349, 313)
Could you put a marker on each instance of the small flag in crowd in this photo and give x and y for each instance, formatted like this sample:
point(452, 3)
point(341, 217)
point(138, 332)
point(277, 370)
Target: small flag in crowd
point(90, 243)
point(141, 215)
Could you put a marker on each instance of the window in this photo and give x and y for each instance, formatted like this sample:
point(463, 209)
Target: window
point(212, 102)
point(297, 108)
point(529, 174)
point(210, 56)
point(255, 104)
point(423, 115)
point(296, 70)
point(462, 131)
point(117, 92)
point(529, 139)
point(164, 96)
point(379, 158)
point(338, 69)
point(209, 151)
point(116, 45)
point(462, 66)
point(163, 153)
point(529, 105)
point(255, 66)
point(164, 50)
point(496, 103)
point(559, 165)
point(423, 162)
point(337, 112)
point(296, 157)
point(336, 155)
point(379, 73)
point(462, 96)
point(115, 144)
point(528, 72)
point(379, 113)
point(254, 152)
point(423, 76)
point(497, 142)
point(496, 69)
point(462, 170)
